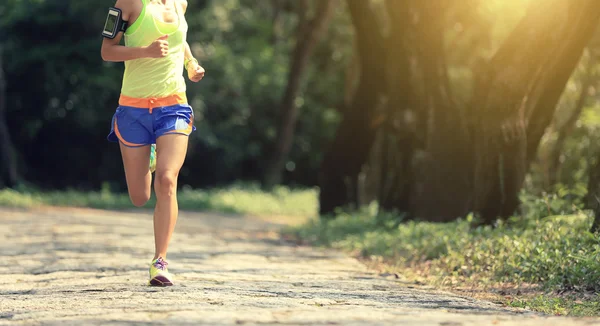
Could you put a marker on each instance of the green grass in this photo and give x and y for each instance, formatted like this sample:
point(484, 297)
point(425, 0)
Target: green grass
point(572, 305)
point(555, 254)
point(236, 199)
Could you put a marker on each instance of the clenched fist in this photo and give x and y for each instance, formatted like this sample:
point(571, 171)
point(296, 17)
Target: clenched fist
point(195, 72)
point(158, 48)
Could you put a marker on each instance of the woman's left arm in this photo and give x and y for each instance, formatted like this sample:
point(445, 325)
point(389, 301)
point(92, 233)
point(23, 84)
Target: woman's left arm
point(195, 71)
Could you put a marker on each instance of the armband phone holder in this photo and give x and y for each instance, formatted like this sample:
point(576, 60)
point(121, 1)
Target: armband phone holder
point(114, 23)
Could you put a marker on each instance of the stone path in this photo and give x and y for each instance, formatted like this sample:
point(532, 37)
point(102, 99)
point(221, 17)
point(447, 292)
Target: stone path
point(89, 267)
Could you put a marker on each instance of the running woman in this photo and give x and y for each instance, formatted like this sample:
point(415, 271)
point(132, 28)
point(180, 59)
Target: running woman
point(153, 110)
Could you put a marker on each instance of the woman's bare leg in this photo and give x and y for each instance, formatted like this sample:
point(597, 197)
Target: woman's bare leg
point(137, 173)
point(171, 149)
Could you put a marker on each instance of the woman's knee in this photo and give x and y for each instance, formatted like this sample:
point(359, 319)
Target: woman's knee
point(165, 183)
point(139, 199)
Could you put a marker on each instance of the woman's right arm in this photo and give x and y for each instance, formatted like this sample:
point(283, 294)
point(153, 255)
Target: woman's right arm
point(113, 51)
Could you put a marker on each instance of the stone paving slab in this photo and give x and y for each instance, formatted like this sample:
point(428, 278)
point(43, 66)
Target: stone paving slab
point(89, 267)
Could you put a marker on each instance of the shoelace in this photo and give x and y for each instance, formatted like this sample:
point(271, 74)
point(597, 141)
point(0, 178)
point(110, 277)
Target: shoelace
point(161, 264)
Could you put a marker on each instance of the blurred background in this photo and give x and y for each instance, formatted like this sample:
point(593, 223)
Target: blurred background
point(59, 95)
point(367, 120)
point(437, 109)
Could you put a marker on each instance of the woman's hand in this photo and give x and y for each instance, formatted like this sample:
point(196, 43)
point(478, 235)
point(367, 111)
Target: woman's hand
point(195, 72)
point(158, 48)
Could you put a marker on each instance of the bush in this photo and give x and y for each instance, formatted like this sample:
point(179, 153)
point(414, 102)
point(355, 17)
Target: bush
point(556, 252)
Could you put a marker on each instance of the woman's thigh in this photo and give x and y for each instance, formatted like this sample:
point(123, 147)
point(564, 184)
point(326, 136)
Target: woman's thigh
point(136, 161)
point(171, 150)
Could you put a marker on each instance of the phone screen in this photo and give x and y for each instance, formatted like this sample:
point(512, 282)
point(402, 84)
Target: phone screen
point(111, 21)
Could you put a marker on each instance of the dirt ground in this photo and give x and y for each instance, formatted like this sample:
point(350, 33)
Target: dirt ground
point(90, 267)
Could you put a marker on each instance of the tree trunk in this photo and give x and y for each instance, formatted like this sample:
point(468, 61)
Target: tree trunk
point(400, 137)
point(354, 137)
point(476, 157)
point(517, 96)
point(593, 195)
point(443, 177)
point(308, 37)
point(8, 162)
point(553, 163)
point(570, 51)
point(277, 29)
point(592, 200)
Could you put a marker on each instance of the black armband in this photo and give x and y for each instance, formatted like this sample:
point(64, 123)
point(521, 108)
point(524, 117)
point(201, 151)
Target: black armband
point(114, 23)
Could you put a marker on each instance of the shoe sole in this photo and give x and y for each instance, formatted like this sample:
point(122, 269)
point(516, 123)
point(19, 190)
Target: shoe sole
point(161, 281)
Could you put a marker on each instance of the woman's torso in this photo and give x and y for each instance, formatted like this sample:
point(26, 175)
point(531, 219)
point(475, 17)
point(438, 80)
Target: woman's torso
point(155, 77)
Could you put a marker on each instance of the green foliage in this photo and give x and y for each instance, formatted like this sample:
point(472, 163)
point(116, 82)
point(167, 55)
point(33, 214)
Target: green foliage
point(564, 200)
point(247, 59)
point(61, 95)
point(235, 199)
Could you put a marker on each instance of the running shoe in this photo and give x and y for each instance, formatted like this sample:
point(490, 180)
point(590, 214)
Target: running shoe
point(159, 274)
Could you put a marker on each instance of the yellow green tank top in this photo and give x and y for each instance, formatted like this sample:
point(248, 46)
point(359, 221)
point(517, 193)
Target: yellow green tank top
point(155, 77)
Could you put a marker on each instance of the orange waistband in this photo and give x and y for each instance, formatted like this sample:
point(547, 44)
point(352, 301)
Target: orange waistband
point(153, 102)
